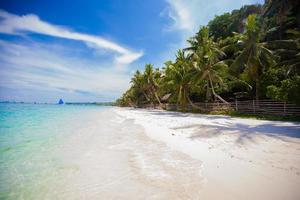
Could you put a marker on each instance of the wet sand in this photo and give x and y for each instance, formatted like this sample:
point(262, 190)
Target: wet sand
point(113, 158)
point(122, 153)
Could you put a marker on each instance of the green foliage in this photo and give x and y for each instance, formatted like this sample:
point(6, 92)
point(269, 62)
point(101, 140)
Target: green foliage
point(254, 51)
point(221, 26)
point(287, 91)
point(265, 117)
point(255, 58)
point(209, 69)
point(177, 76)
point(225, 25)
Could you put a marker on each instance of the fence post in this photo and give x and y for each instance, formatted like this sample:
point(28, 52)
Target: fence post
point(253, 106)
point(236, 105)
point(284, 108)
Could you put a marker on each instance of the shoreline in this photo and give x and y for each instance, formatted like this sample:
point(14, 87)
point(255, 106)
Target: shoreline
point(241, 158)
point(234, 114)
point(149, 154)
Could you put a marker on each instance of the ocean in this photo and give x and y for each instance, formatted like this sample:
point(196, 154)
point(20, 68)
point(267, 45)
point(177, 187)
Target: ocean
point(31, 138)
point(87, 152)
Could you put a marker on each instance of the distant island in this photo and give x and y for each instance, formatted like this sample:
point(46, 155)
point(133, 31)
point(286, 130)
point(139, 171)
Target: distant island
point(91, 103)
point(66, 103)
point(60, 101)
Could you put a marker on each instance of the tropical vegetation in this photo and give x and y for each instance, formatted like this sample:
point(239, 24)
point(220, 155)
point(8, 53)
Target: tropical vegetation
point(250, 53)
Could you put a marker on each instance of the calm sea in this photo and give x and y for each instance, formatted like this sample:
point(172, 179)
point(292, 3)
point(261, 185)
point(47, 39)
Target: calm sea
point(31, 136)
point(52, 152)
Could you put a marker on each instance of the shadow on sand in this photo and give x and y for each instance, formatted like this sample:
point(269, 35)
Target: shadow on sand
point(246, 131)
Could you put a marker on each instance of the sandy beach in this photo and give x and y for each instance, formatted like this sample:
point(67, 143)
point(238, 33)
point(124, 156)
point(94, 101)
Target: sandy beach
point(101, 100)
point(123, 153)
point(220, 157)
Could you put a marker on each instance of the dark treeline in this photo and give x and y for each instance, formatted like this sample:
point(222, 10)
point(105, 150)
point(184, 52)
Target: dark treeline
point(250, 53)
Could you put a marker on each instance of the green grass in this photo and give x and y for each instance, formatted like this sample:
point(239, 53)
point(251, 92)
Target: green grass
point(249, 116)
point(265, 117)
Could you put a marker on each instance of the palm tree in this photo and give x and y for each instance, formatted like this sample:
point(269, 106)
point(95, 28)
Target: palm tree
point(178, 77)
point(288, 51)
point(255, 56)
point(152, 77)
point(281, 9)
point(139, 82)
point(207, 63)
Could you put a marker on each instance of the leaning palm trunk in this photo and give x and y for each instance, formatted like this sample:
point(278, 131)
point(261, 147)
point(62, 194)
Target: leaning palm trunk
point(213, 91)
point(157, 98)
point(194, 105)
point(146, 96)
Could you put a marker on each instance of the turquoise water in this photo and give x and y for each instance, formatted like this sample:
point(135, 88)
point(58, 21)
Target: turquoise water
point(73, 152)
point(30, 136)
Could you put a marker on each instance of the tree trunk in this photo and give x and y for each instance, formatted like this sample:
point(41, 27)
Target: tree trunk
point(157, 98)
point(146, 96)
point(280, 16)
point(181, 98)
point(194, 105)
point(184, 98)
point(257, 87)
point(208, 94)
point(214, 93)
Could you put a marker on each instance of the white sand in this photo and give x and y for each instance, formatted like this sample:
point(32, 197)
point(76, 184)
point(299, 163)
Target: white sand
point(109, 157)
point(235, 158)
point(121, 153)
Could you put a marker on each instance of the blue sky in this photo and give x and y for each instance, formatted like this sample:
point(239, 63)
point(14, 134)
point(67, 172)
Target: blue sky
point(88, 50)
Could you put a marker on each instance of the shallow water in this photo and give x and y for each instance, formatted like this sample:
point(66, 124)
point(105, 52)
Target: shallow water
point(30, 136)
point(87, 152)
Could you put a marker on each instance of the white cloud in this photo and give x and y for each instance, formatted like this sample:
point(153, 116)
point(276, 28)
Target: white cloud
point(128, 58)
point(39, 67)
point(189, 15)
point(14, 24)
point(181, 15)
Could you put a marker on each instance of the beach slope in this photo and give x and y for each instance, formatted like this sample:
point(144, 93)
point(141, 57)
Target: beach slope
point(240, 158)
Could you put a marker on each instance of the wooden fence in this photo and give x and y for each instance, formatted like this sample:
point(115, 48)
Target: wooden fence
point(266, 107)
point(206, 107)
point(261, 107)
